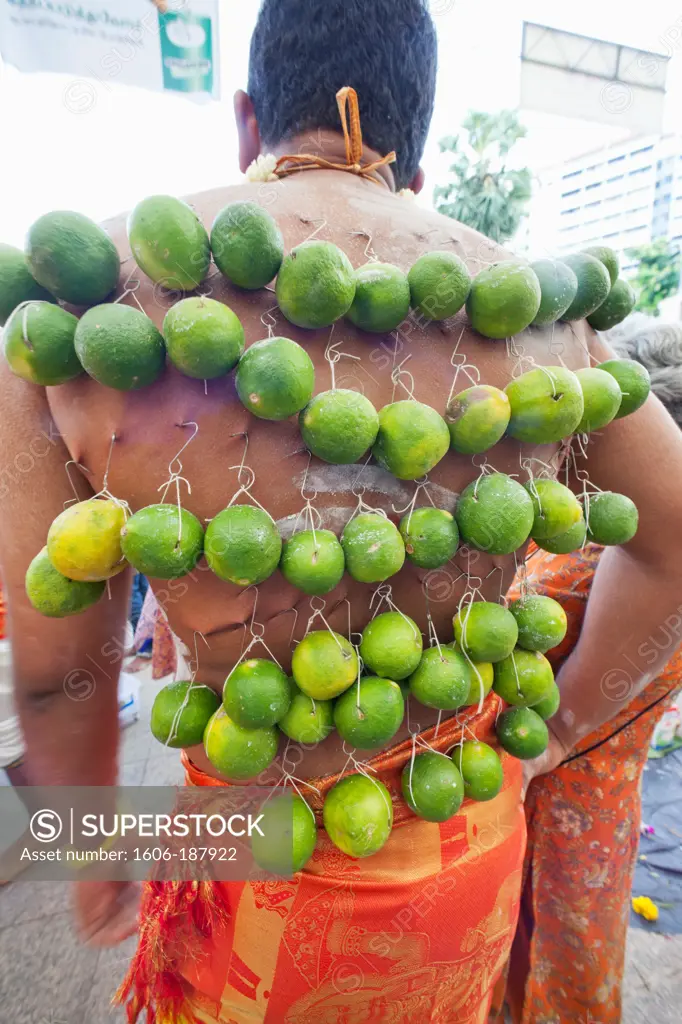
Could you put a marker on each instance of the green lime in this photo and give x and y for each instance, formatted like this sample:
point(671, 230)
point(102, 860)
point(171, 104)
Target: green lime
point(339, 426)
point(286, 835)
point(481, 769)
point(634, 382)
point(242, 545)
point(495, 514)
point(236, 752)
point(525, 677)
point(439, 285)
point(522, 733)
point(373, 548)
point(84, 541)
point(546, 405)
point(315, 285)
point(275, 378)
point(16, 283)
point(430, 536)
point(358, 815)
point(247, 245)
point(565, 543)
point(482, 677)
point(541, 620)
point(382, 298)
point(611, 518)
point(55, 595)
point(369, 713)
point(162, 544)
point(307, 720)
point(618, 304)
point(556, 508)
point(313, 561)
point(558, 287)
point(256, 693)
point(391, 645)
point(485, 631)
point(504, 299)
point(602, 398)
point(432, 786)
point(594, 284)
point(608, 257)
point(169, 242)
point(72, 257)
point(477, 418)
point(181, 712)
point(549, 705)
point(324, 664)
point(119, 346)
point(204, 338)
point(442, 679)
point(412, 439)
point(38, 343)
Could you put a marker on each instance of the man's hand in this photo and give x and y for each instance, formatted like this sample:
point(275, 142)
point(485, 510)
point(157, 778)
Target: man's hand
point(106, 912)
point(555, 753)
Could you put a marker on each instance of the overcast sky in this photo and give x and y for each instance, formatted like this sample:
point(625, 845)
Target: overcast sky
point(133, 142)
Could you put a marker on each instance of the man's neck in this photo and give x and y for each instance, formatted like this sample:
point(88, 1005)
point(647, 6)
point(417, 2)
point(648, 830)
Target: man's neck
point(330, 146)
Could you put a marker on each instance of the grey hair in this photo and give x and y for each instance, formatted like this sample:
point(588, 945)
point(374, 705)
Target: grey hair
point(658, 347)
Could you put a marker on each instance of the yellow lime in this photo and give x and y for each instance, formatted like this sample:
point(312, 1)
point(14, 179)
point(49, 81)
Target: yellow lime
point(546, 405)
point(525, 677)
point(495, 514)
point(382, 298)
point(541, 620)
point(391, 645)
point(477, 418)
point(55, 595)
point(481, 769)
point(324, 664)
point(339, 426)
point(439, 285)
point(373, 548)
point(84, 541)
point(485, 631)
point(432, 786)
point(430, 536)
point(181, 712)
point(358, 815)
point(236, 752)
point(315, 285)
point(256, 693)
point(286, 835)
point(412, 439)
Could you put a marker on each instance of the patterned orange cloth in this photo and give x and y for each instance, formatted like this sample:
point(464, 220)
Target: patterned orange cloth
point(583, 828)
point(418, 932)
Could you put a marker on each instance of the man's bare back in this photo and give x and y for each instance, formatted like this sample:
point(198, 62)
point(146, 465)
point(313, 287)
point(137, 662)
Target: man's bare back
point(362, 218)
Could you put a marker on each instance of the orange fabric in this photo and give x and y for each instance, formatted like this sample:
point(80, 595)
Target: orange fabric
point(418, 932)
point(583, 828)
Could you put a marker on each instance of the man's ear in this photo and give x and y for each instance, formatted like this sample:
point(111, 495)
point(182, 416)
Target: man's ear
point(247, 129)
point(417, 183)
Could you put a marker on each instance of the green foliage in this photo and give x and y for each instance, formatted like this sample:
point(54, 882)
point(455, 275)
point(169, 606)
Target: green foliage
point(658, 274)
point(484, 193)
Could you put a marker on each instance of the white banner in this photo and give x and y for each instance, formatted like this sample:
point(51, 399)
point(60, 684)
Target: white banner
point(175, 48)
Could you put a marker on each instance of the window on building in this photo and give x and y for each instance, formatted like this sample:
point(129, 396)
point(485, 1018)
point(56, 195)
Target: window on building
point(642, 170)
point(617, 159)
point(596, 202)
point(612, 199)
point(612, 234)
point(571, 174)
point(575, 191)
point(595, 184)
point(573, 209)
point(616, 177)
point(639, 227)
point(644, 149)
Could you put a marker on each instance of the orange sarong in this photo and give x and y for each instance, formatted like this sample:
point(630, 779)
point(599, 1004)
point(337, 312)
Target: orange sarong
point(583, 829)
point(418, 932)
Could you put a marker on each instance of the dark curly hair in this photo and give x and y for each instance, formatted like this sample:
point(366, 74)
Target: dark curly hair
point(304, 51)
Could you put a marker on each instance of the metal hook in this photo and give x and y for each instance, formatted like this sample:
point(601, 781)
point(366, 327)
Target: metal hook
point(176, 458)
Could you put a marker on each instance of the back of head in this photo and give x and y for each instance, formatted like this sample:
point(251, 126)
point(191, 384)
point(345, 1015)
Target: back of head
point(304, 51)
